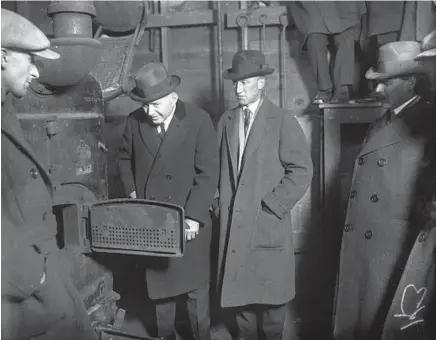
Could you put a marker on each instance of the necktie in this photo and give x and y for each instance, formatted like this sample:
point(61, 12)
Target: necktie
point(162, 130)
point(389, 115)
point(247, 119)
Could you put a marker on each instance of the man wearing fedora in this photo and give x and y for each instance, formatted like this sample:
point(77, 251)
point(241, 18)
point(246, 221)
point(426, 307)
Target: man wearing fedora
point(387, 265)
point(39, 299)
point(265, 168)
point(169, 154)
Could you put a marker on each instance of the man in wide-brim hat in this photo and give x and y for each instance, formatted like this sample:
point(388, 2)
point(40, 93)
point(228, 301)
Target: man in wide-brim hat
point(169, 154)
point(265, 168)
point(39, 299)
point(386, 270)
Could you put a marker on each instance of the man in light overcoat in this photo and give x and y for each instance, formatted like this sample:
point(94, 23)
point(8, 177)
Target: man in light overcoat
point(39, 299)
point(387, 266)
point(265, 168)
point(169, 154)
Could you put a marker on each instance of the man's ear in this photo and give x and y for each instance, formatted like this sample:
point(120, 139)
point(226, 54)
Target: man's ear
point(411, 83)
point(261, 83)
point(175, 97)
point(4, 58)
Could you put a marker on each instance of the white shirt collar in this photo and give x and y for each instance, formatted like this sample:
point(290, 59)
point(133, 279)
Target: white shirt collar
point(253, 106)
point(167, 121)
point(402, 106)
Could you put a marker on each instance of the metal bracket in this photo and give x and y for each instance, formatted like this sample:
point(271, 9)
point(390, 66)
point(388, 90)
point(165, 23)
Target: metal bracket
point(259, 17)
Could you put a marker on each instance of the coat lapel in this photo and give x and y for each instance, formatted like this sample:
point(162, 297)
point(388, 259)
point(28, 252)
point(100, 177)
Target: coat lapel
point(258, 131)
point(11, 128)
point(382, 138)
point(398, 129)
point(232, 135)
point(149, 134)
point(174, 135)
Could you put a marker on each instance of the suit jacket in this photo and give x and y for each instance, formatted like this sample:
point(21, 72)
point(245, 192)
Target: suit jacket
point(385, 254)
point(256, 252)
point(327, 17)
point(182, 170)
point(53, 309)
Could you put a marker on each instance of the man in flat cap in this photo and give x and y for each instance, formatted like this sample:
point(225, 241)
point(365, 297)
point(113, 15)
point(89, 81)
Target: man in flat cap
point(169, 154)
point(265, 168)
point(39, 299)
point(387, 266)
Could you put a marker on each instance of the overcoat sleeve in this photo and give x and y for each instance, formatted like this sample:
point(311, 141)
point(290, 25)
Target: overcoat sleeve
point(206, 173)
point(295, 158)
point(125, 159)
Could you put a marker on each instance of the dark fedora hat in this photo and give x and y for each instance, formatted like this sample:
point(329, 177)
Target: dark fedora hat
point(153, 82)
point(247, 64)
point(396, 59)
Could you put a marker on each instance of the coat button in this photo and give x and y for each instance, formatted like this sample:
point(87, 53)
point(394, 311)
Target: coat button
point(34, 173)
point(347, 227)
point(169, 177)
point(353, 193)
point(152, 198)
point(360, 161)
point(422, 237)
point(368, 234)
point(233, 251)
point(374, 198)
point(44, 216)
point(382, 162)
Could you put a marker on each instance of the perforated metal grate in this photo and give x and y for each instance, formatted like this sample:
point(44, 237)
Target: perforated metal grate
point(137, 227)
point(134, 238)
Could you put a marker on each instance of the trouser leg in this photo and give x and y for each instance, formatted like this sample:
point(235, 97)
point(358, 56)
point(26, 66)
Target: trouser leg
point(345, 57)
point(273, 320)
point(317, 52)
point(165, 317)
point(246, 320)
point(199, 313)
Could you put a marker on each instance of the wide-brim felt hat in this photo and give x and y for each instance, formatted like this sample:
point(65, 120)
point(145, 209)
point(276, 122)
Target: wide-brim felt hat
point(247, 64)
point(20, 34)
point(397, 59)
point(153, 82)
point(428, 47)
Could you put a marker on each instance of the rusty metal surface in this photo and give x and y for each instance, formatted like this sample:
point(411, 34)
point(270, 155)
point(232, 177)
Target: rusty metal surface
point(66, 132)
point(119, 16)
point(138, 227)
point(114, 64)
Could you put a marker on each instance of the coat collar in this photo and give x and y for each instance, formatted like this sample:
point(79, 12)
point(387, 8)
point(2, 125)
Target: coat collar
point(10, 126)
point(258, 131)
point(148, 130)
point(403, 126)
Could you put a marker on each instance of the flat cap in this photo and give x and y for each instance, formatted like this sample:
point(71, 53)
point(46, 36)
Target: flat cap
point(20, 34)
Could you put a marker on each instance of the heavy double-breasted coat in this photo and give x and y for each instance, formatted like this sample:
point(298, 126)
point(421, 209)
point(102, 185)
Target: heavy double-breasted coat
point(387, 263)
point(256, 252)
point(31, 309)
point(182, 170)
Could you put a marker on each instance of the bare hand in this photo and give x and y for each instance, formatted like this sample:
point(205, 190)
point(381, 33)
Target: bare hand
point(193, 230)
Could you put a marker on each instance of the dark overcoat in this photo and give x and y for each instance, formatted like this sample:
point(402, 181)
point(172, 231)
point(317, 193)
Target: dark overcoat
point(384, 256)
point(182, 170)
point(256, 251)
point(327, 17)
point(31, 310)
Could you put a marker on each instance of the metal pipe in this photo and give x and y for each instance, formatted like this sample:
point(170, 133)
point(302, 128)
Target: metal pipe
point(244, 29)
point(220, 57)
point(164, 38)
point(283, 76)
